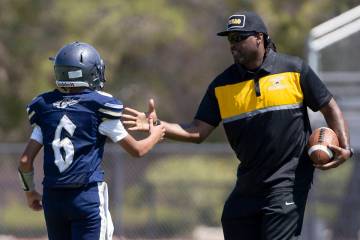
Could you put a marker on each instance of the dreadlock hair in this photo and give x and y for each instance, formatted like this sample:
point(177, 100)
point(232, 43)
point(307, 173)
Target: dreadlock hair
point(269, 44)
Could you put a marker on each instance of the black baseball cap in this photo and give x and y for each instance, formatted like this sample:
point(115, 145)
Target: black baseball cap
point(244, 22)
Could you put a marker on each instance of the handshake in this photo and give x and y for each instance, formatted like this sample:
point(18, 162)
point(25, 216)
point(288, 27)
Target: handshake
point(134, 120)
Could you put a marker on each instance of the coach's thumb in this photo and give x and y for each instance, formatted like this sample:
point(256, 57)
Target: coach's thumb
point(151, 106)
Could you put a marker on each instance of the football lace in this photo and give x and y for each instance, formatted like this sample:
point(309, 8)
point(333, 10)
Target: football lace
point(321, 135)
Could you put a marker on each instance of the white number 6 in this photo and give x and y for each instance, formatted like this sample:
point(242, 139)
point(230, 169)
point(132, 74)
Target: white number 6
point(66, 144)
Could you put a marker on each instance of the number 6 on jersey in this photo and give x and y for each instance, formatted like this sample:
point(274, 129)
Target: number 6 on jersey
point(66, 144)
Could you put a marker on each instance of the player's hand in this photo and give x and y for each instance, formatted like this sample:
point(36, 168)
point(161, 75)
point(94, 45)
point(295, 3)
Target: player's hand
point(134, 120)
point(34, 200)
point(157, 130)
point(340, 156)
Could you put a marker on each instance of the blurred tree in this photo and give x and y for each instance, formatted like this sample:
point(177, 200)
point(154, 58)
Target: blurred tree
point(123, 31)
point(167, 49)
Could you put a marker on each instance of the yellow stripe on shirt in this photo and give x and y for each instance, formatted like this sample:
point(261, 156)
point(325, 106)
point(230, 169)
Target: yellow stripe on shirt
point(276, 90)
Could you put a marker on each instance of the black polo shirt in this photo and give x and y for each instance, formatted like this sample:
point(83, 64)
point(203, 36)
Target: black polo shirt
point(265, 119)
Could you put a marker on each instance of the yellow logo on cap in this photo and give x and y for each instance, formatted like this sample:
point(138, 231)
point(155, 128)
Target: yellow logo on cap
point(235, 21)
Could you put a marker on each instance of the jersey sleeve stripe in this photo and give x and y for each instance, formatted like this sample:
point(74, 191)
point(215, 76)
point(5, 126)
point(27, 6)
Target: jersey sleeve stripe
point(109, 112)
point(31, 113)
point(116, 106)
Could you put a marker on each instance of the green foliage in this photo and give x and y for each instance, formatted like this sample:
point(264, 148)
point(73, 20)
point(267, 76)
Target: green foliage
point(338, 178)
point(163, 49)
point(332, 184)
point(187, 169)
point(179, 193)
point(17, 214)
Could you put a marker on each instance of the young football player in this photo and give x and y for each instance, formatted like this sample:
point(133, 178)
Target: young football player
point(71, 124)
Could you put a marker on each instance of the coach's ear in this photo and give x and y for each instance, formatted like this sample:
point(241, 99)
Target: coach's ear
point(259, 39)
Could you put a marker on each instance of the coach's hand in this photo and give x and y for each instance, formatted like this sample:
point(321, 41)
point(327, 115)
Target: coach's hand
point(340, 156)
point(134, 120)
point(157, 130)
point(151, 110)
point(34, 200)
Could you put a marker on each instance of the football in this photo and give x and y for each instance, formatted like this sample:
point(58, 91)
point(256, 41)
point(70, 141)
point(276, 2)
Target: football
point(318, 142)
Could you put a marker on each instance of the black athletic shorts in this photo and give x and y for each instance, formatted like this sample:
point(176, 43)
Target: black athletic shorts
point(276, 216)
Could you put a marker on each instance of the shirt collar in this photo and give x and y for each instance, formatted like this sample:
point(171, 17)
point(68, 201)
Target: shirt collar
point(268, 63)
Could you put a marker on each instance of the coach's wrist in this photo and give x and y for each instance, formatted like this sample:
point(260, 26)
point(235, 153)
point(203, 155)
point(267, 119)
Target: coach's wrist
point(351, 151)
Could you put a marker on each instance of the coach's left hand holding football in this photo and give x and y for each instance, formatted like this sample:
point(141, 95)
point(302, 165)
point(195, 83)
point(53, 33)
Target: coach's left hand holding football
point(340, 156)
point(335, 121)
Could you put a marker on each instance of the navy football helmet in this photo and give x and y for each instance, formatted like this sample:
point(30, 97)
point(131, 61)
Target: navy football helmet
point(79, 65)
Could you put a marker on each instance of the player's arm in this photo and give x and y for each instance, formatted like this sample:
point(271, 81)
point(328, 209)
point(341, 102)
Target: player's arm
point(114, 129)
point(26, 163)
point(335, 120)
point(196, 131)
point(26, 174)
point(138, 148)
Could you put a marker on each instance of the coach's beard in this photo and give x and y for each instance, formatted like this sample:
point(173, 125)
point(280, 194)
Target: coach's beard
point(243, 59)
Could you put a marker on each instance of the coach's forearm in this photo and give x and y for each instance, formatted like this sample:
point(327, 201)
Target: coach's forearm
point(182, 132)
point(335, 120)
point(196, 131)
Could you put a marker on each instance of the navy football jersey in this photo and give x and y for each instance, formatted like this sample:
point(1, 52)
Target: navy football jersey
point(73, 145)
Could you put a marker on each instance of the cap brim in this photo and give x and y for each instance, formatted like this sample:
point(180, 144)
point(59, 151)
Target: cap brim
point(224, 33)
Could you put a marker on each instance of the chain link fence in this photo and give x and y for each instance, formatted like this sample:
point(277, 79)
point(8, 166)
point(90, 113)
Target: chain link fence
point(177, 192)
point(331, 54)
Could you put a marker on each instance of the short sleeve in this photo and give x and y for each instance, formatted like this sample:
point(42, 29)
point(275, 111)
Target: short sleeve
point(113, 129)
point(208, 110)
point(112, 109)
point(316, 94)
point(37, 134)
